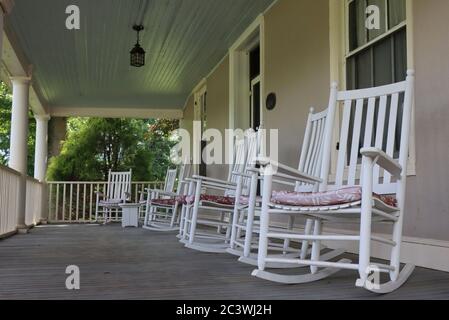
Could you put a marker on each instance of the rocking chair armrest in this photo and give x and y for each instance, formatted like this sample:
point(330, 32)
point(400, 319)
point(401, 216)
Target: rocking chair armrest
point(162, 192)
point(183, 182)
point(383, 160)
point(292, 172)
point(242, 174)
point(217, 186)
point(207, 179)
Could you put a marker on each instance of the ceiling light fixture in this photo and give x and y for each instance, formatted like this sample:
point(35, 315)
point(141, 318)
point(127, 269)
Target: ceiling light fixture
point(137, 53)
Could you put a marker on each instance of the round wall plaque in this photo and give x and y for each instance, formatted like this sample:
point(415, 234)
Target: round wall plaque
point(271, 101)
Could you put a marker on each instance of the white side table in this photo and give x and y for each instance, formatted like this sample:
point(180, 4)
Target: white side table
point(130, 214)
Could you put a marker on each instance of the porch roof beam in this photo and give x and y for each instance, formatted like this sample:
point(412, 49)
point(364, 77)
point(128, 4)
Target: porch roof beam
point(116, 112)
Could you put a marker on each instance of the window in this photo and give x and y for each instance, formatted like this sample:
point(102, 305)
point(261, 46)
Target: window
point(379, 56)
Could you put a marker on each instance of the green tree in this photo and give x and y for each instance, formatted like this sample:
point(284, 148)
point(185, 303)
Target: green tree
point(96, 145)
point(5, 129)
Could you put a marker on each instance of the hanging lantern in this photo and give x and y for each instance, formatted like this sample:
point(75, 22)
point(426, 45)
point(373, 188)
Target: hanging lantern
point(137, 53)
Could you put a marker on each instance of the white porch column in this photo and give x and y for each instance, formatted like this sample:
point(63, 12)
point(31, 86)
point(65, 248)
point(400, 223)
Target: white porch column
point(19, 124)
point(41, 151)
point(19, 138)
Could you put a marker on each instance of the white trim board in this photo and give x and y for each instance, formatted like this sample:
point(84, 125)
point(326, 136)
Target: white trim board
point(426, 253)
point(122, 112)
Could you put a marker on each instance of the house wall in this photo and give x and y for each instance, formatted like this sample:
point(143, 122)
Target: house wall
point(186, 122)
point(297, 69)
point(218, 110)
point(427, 214)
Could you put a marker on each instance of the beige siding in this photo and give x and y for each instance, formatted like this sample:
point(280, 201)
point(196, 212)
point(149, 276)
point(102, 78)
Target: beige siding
point(296, 68)
point(218, 110)
point(427, 214)
point(187, 120)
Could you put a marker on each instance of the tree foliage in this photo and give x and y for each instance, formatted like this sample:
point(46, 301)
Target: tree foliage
point(5, 129)
point(96, 145)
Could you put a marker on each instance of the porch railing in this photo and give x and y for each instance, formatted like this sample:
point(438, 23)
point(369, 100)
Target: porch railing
point(75, 201)
point(34, 201)
point(9, 196)
point(9, 186)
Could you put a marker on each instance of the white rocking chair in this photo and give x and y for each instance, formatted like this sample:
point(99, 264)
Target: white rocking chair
point(224, 205)
point(166, 201)
point(358, 195)
point(245, 220)
point(117, 192)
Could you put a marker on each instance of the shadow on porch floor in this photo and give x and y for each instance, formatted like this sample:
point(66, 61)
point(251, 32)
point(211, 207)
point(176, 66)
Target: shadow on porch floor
point(118, 263)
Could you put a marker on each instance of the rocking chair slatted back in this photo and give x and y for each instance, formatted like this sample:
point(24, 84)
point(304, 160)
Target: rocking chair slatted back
point(253, 143)
point(312, 148)
point(184, 172)
point(245, 153)
point(119, 185)
point(372, 117)
point(170, 180)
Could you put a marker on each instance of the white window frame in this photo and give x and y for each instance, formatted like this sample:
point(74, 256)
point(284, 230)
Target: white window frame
point(339, 53)
point(239, 84)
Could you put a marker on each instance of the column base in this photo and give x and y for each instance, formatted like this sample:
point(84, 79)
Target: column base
point(23, 229)
point(43, 222)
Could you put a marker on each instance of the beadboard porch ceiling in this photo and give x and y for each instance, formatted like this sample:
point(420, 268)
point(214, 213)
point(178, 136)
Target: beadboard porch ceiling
point(89, 68)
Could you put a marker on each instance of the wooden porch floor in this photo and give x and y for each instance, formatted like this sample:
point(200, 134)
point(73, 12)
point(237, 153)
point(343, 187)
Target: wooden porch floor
point(138, 264)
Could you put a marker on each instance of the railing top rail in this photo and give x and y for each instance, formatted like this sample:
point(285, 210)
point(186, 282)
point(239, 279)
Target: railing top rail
point(100, 182)
point(33, 180)
point(8, 169)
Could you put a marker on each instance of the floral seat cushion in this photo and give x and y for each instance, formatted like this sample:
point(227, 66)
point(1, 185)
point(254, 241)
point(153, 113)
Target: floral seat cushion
point(164, 202)
point(222, 200)
point(329, 198)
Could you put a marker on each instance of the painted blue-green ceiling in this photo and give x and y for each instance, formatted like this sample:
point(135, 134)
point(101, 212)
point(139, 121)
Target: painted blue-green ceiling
point(184, 40)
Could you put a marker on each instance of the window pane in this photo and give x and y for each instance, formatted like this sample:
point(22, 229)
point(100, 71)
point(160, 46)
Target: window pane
point(357, 30)
point(400, 55)
point(363, 69)
point(382, 63)
point(397, 13)
point(377, 32)
point(350, 74)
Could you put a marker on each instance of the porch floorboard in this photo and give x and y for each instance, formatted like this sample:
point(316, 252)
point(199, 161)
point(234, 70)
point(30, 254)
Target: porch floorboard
point(118, 263)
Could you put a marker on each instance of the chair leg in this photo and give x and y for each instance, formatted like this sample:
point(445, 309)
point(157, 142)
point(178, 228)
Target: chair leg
point(316, 246)
point(222, 218)
point(291, 222)
point(250, 216)
point(305, 244)
point(174, 215)
point(187, 217)
point(241, 221)
point(195, 212)
point(264, 222)
point(182, 221)
point(234, 228)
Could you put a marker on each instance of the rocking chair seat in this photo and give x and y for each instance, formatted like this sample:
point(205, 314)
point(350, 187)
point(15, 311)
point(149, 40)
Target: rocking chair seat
point(329, 198)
